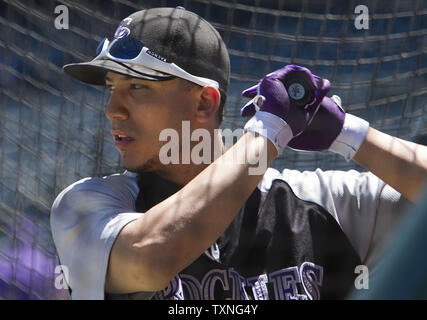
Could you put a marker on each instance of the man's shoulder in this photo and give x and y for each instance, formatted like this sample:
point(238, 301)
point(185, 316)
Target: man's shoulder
point(318, 185)
point(104, 183)
point(290, 176)
point(94, 189)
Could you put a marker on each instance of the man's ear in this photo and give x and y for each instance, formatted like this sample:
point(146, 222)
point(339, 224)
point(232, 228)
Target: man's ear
point(208, 104)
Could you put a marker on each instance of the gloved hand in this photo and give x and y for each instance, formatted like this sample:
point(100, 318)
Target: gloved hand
point(282, 115)
point(324, 129)
point(332, 129)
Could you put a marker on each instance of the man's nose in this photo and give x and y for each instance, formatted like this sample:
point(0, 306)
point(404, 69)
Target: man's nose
point(116, 109)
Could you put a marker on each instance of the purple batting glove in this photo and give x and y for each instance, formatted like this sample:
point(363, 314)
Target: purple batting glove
point(332, 129)
point(292, 93)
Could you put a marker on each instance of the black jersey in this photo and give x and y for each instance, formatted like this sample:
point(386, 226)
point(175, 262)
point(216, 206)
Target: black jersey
point(278, 247)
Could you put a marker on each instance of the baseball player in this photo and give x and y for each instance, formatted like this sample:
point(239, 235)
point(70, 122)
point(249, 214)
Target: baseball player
point(214, 230)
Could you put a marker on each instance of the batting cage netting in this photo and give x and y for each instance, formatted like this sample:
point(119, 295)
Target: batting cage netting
point(53, 130)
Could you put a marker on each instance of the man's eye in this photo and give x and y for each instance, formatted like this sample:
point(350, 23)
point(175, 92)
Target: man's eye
point(137, 86)
point(110, 88)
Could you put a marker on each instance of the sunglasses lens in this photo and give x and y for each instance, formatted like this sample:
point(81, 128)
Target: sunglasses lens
point(126, 48)
point(100, 46)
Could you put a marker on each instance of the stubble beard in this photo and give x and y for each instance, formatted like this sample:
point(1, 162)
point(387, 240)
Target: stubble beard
point(147, 166)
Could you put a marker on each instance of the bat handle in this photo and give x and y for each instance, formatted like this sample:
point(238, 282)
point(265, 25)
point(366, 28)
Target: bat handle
point(299, 92)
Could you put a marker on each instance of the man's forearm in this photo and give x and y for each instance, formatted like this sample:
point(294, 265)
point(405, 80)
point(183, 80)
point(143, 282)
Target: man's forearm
point(399, 163)
point(199, 213)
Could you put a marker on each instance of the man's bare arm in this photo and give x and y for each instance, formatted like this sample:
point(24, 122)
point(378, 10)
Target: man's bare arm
point(171, 235)
point(399, 163)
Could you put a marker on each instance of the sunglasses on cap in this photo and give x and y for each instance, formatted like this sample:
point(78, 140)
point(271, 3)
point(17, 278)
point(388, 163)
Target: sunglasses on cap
point(133, 51)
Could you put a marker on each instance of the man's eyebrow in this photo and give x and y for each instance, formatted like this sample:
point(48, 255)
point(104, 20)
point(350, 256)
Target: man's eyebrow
point(106, 78)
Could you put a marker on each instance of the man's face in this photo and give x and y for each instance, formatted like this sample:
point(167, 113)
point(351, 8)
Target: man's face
point(139, 110)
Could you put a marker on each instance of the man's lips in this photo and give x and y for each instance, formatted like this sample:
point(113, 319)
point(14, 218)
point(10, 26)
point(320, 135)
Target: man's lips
point(121, 139)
